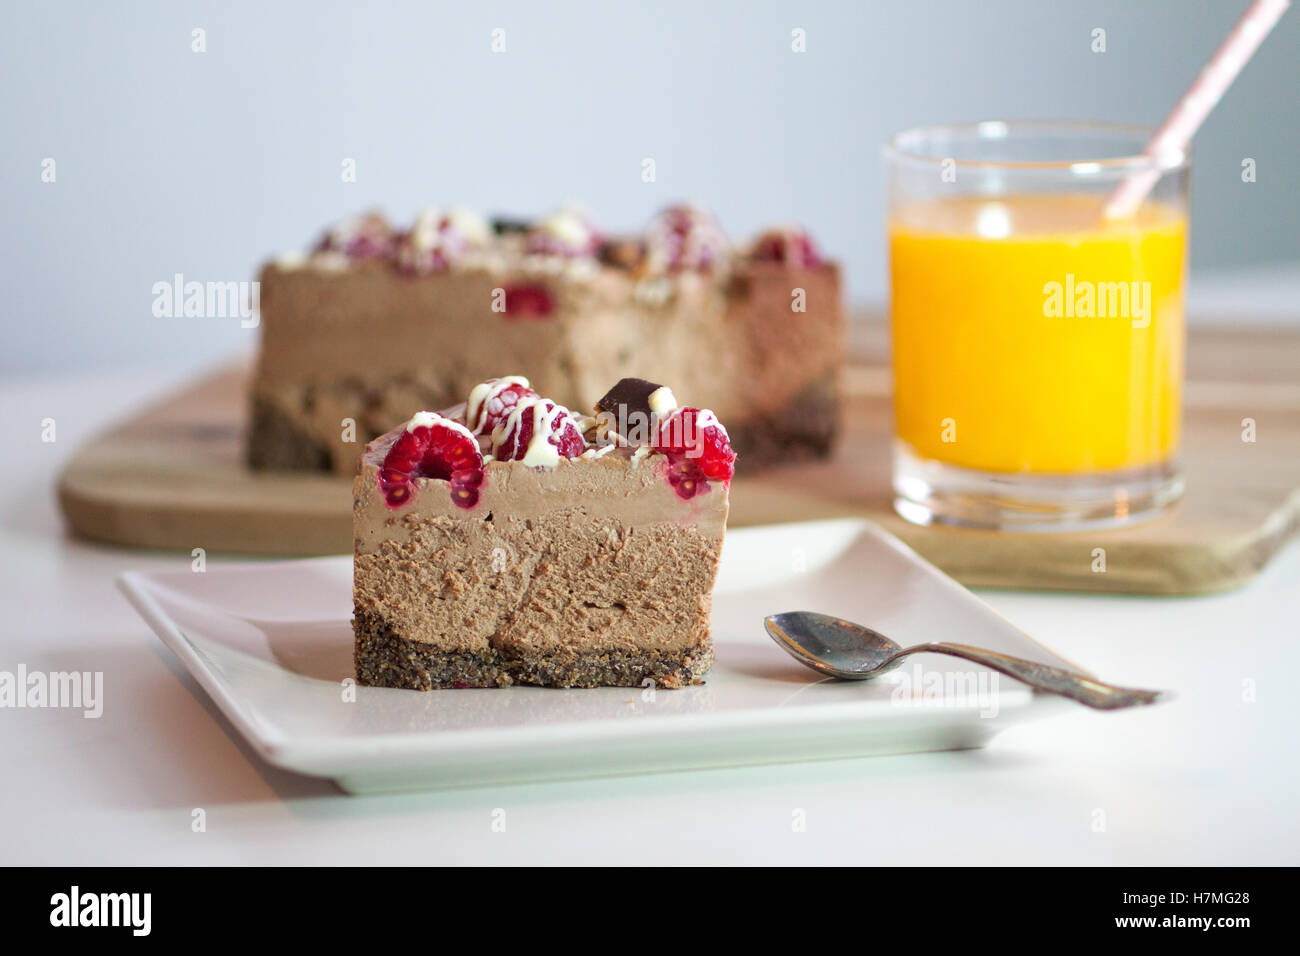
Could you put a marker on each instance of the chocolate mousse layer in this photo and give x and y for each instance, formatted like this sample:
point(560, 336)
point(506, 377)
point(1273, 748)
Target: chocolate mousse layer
point(593, 572)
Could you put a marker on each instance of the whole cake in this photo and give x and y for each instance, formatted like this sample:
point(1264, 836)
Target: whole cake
point(507, 540)
point(376, 321)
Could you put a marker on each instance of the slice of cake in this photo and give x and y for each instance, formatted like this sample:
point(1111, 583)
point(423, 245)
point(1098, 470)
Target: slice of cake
point(509, 541)
point(755, 332)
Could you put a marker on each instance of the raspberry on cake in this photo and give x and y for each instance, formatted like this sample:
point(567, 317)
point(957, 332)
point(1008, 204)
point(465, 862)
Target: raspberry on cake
point(686, 237)
point(506, 540)
point(440, 239)
point(364, 237)
point(789, 245)
point(754, 332)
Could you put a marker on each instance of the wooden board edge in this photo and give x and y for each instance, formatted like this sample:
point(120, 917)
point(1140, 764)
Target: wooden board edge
point(1170, 570)
point(154, 528)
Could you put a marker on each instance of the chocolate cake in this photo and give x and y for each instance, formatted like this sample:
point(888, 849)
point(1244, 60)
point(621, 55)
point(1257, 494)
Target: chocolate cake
point(376, 321)
point(507, 541)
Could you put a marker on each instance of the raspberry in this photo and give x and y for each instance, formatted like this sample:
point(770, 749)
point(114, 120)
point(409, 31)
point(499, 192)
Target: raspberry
point(699, 437)
point(685, 237)
point(418, 256)
point(432, 447)
point(791, 245)
point(686, 478)
point(439, 239)
point(528, 301)
point(431, 245)
point(512, 439)
point(363, 237)
point(497, 400)
point(698, 449)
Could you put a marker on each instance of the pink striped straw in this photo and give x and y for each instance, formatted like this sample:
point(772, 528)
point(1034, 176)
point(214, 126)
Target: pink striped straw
point(1176, 133)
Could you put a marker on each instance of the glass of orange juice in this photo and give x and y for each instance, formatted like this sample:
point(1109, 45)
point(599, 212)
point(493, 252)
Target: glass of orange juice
point(1037, 341)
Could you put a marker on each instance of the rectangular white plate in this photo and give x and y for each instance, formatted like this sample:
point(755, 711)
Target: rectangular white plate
point(272, 644)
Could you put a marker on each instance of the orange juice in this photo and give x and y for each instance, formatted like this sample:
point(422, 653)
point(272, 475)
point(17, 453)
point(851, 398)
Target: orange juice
point(1032, 336)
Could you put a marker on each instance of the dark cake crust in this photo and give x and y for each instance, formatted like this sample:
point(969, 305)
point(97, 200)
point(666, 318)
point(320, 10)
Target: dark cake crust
point(805, 428)
point(384, 659)
point(278, 443)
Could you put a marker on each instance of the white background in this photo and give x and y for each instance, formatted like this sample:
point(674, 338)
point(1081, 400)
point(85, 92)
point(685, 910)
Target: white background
point(205, 164)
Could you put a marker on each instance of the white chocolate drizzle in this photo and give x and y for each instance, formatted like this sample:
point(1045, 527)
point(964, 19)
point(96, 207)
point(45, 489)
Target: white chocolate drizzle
point(422, 420)
point(451, 233)
point(425, 234)
point(705, 417)
point(541, 451)
point(567, 226)
point(484, 392)
point(472, 227)
point(291, 261)
point(330, 261)
point(429, 419)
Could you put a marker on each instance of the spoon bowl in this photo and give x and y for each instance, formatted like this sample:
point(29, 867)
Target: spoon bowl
point(833, 646)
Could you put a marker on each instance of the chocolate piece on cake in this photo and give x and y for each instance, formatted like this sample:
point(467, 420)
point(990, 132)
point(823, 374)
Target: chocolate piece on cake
point(634, 395)
point(500, 543)
point(633, 407)
point(378, 320)
point(505, 225)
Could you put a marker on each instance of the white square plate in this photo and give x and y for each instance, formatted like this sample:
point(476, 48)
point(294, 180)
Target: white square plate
point(272, 644)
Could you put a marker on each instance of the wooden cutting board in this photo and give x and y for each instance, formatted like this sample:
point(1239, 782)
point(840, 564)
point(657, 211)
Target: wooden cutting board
point(173, 478)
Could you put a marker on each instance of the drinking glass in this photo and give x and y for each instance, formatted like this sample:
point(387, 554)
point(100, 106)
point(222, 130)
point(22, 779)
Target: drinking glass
point(1037, 343)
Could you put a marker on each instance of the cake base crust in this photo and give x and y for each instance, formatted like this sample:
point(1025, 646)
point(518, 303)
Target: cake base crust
point(804, 429)
point(278, 443)
point(385, 659)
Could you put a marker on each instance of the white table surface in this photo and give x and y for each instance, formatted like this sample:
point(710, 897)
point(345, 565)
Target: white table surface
point(1210, 778)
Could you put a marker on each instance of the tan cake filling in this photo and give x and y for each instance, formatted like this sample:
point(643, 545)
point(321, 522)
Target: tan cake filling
point(572, 575)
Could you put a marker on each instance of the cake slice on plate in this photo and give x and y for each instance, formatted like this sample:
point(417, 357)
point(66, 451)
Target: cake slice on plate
point(509, 541)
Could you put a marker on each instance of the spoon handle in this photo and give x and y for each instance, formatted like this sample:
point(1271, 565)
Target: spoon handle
point(1053, 680)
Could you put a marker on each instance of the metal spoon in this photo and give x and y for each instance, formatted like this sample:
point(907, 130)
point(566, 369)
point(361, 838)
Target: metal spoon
point(850, 651)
